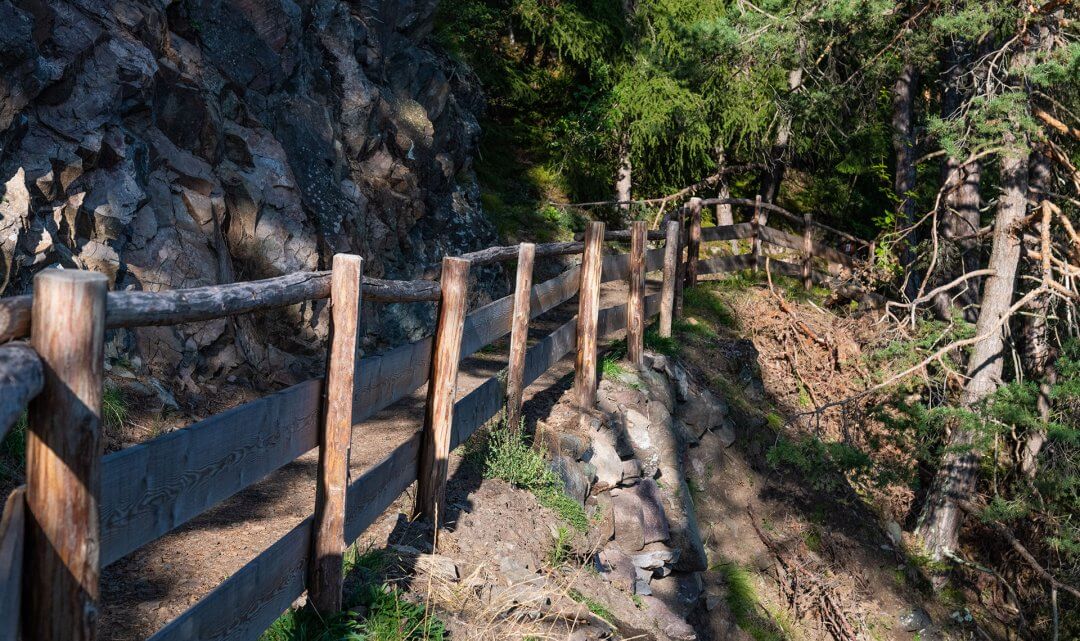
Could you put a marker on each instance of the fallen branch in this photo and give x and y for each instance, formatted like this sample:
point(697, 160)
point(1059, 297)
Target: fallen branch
point(1005, 532)
point(799, 324)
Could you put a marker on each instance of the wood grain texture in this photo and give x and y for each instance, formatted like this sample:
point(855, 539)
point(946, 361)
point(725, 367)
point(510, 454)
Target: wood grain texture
point(680, 264)
point(148, 490)
point(667, 291)
point(509, 252)
point(791, 241)
point(250, 600)
point(325, 577)
point(63, 457)
point(588, 308)
point(244, 606)
point(693, 246)
point(154, 487)
point(728, 232)
point(12, 538)
point(635, 303)
point(21, 378)
point(442, 388)
point(519, 334)
point(171, 307)
point(757, 221)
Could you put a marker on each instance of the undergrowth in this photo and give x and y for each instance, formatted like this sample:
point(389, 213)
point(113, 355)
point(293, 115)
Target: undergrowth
point(374, 610)
point(507, 455)
point(746, 607)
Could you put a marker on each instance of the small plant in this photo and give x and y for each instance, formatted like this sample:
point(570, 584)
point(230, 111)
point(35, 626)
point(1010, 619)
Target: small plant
point(665, 345)
point(114, 409)
point(561, 549)
point(611, 368)
point(509, 457)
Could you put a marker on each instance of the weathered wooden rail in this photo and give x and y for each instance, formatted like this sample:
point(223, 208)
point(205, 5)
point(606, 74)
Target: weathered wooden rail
point(81, 511)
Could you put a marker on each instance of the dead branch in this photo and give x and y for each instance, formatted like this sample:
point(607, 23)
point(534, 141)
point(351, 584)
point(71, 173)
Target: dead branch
point(799, 324)
point(1005, 532)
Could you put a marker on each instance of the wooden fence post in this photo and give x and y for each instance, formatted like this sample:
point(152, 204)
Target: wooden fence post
point(63, 457)
point(635, 299)
point(680, 265)
point(808, 251)
point(755, 224)
point(588, 315)
point(335, 436)
point(693, 246)
point(519, 335)
point(667, 291)
point(442, 388)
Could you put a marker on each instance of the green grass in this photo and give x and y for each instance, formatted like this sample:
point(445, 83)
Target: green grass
point(704, 301)
point(744, 604)
point(610, 367)
point(597, 608)
point(668, 346)
point(114, 407)
point(561, 549)
point(387, 614)
point(508, 456)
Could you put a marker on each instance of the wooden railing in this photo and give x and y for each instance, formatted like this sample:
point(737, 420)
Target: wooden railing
point(84, 511)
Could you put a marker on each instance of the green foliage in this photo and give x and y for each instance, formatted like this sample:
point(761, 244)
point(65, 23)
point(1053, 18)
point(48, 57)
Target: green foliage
point(596, 607)
point(823, 465)
point(561, 548)
point(745, 605)
point(388, 614)
point(508, 456)
point(668, 346)
point(114, 407)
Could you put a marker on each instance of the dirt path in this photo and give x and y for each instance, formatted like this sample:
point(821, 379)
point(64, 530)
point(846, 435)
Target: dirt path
point(152, 586)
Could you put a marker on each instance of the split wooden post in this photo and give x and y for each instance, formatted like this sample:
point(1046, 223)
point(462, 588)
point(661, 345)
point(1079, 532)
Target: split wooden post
point(325, 577)
point(519, 334)
point(808, 251)
point(63, 457)
point(442, 388)
point(755, 225)
point(693, 246)
point(635, 299)
point(680, 264)
point(667, 291)
point(588, 315)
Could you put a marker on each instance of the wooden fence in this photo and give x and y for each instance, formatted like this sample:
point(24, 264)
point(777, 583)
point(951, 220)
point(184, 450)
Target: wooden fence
point(81, 511)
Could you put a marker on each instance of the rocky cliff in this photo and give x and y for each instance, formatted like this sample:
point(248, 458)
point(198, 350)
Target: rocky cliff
point(184, 143)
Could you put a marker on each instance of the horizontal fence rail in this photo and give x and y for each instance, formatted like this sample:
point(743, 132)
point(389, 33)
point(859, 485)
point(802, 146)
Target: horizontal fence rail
point(155, 487)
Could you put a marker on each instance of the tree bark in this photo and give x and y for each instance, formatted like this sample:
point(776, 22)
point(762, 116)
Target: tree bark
point(623, 175)
point(903, 106)
point(961, 200)
point(1036, 352)
point(723, 212)
point(774, 173)
point(939, 523)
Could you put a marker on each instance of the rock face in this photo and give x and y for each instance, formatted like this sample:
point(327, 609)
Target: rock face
point(197, 142)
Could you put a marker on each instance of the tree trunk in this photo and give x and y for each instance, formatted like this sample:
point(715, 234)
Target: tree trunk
point(622, 176)
point(1036, 353)
point(723, 212)
point(903, 105)
point(939, 523)
point(959, 216)
point(774, 174)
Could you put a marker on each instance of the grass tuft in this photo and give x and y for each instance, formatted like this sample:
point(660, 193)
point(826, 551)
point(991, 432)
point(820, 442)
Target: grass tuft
point(509, 457)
